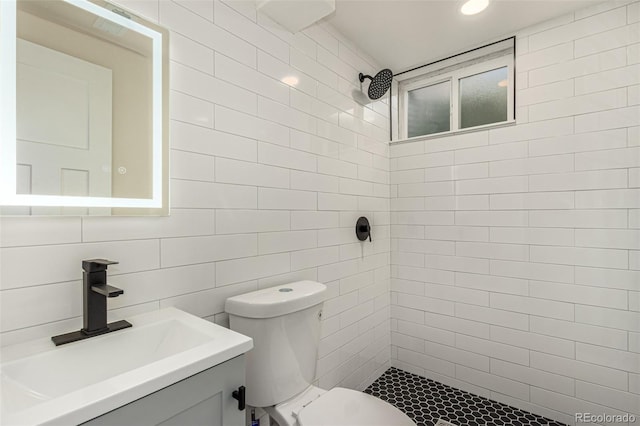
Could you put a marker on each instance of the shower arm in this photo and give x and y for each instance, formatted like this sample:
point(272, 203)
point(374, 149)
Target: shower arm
point(362, 77)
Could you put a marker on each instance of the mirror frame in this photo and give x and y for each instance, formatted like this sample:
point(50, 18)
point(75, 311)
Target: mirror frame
point(159, 203)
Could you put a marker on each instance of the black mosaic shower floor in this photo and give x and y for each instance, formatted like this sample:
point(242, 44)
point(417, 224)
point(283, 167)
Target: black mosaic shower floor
point(426, 401)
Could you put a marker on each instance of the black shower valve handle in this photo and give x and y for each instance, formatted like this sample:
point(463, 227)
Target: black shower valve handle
point(369, 232)
point(366, 230)
point(363, 229)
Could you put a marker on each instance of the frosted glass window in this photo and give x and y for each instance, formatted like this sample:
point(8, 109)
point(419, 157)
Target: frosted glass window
point(428, 109)
point(483, 98)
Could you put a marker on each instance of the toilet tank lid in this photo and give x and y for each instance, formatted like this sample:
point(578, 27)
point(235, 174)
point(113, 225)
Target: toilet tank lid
point(275, 301)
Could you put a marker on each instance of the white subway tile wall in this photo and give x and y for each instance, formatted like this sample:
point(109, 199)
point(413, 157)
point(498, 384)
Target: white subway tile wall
point(272, 162)
point(505, 262)
point(515, 250)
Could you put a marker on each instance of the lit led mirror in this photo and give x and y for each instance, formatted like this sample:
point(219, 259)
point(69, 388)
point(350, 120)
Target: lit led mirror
point(83, 110)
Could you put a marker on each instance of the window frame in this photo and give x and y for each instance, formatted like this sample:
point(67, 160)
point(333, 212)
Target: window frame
point(454, 77)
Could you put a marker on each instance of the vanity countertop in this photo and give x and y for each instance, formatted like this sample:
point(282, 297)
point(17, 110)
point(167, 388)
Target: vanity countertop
point(70, 384)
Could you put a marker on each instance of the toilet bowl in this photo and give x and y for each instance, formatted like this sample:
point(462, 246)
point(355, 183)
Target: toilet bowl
point(337, 407)
point(284, 322)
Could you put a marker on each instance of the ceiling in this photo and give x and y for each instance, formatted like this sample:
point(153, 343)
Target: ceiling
point(400, 34)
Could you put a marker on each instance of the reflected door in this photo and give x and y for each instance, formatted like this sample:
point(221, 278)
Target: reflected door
point(63, 127)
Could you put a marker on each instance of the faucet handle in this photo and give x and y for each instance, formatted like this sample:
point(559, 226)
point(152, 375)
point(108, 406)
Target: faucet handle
point(97, 265)
point(107, 290)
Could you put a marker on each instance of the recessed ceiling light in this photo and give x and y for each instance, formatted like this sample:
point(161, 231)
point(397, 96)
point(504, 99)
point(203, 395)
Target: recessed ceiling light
point(503, 83)
point(472, 7)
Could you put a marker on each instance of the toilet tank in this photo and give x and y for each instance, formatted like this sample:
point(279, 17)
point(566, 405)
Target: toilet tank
point(284, 323)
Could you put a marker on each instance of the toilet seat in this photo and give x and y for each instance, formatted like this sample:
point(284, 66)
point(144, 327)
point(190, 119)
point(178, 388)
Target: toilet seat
point(346, 407)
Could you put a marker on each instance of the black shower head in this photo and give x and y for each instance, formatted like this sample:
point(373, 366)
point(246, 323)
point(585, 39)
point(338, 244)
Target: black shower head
point(379, 84)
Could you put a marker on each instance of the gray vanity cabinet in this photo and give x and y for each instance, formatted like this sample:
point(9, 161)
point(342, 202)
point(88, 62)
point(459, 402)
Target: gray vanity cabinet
point(202, 399)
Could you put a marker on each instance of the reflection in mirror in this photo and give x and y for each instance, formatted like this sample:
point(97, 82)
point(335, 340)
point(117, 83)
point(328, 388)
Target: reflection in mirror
point(89, 125)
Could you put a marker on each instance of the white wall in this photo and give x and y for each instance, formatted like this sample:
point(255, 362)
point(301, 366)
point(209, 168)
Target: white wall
point(516, 251)
point(267, 183)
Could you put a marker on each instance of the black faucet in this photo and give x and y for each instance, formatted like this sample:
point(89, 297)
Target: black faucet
point(95, 291)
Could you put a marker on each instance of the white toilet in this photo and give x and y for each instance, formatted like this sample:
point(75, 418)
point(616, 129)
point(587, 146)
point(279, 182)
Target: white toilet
point(284, 322)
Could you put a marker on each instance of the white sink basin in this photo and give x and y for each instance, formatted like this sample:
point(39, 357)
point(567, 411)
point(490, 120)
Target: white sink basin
point(73, 383)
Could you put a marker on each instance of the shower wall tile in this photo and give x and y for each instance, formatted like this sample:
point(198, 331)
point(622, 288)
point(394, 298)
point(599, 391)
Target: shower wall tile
point(64, 261)
point(278, 70)
point(545, 308)
point(181, 20)
point(492, 152)
point(532, 166)
point(600, 336)
point(606, 80)
point(191, 194)
point(532, 131)
point(283, 199)
point(594, 141)
point(578, 29)
point(567, 70)
point(533, 341)
point(579, 370)
point(612, 278)
point(191, 166)
point(606, 258)
point(188, 109)
point(621, 36)
point(611, 119)
point(614, 358)
point(247, 221)
point(181, 223)
point(584, 295)
point(184, 251)
point(198, 139)
point(601, 179)
point(248, 173)
point(622, 198)
point(618, 238)
point(499, 185)
point(191, 82)
point(278, 242)
point(243, 76)
point(272, 163)
point(533, 377)
point(249, 126)
point(624, 320)
point(623, 401)
point(227, 18)
point(578, 219)
point(540, 220)
point(185, 50)
point(18, 231)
